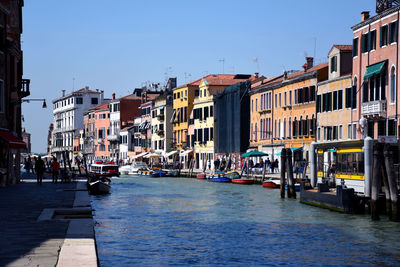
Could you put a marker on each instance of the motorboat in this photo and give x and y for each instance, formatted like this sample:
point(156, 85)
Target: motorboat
point(201, 176)
point(104, 169)
point(218, 177)
point(237, 179)
point(99, 185)
point(133, 168)
point(272, 183)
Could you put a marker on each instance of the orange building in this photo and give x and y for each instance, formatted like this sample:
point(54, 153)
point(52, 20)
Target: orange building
point(283, 111)
point(97, 124)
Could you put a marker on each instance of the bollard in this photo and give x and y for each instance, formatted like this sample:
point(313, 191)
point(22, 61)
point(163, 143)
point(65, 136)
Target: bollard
point(368, 151)
point(291, 189)
point(392, 185)
point(283, 170)
point(376, 179)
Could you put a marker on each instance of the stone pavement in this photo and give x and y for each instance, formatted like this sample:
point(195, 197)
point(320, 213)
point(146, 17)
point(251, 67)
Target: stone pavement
point(25, 241)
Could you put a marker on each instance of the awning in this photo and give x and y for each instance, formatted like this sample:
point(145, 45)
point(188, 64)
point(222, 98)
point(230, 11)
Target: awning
point(374, 69)
point(173, 116)
point(295, 148)
point(171, 153)
point(152, 155)
point(148, 125)
point(184, 153)
point(142, 125)
point(140, 155)
point(253, 153)
point(12, 140)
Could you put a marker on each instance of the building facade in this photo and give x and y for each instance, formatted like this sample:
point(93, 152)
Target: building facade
point(336, 97)
point(283, 111)
point(375, 73)
point(161, 138)
point(68, 118)
point(13, 88)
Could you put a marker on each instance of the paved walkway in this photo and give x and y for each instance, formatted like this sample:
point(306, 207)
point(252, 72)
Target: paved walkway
point(25, 241)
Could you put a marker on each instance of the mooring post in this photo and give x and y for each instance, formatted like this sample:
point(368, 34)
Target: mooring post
point(289, 169)
point(376, 180)
point(313, 164)
point(385, 182)
point(263, 176)
point(368, 151)
point(392, 183)
point(283, 171)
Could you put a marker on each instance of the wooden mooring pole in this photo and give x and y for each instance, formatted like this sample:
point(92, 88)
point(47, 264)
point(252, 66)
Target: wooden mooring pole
point(283, 171)
point(291, 191)
point(376, 180)
point(392, 183)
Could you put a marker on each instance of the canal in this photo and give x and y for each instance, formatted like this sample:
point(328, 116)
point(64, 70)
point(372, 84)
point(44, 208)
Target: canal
point(178, 221)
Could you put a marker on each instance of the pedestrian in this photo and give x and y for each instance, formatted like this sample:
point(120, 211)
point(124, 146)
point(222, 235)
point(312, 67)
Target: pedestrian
point(39, 168)
point(268, 164)
point(27, 166)
point(209, 164)
point(56, 168)
point(276, 165)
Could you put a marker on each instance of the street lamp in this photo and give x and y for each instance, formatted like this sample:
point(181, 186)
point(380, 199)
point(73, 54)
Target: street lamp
point(34, 99)
point(363, 122)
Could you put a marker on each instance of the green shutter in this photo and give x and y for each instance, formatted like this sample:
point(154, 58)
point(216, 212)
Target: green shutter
point(381, 36)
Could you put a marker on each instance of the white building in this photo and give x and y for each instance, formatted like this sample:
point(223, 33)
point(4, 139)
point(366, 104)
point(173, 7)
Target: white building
point(68, 118)
point(161, 137)
point(126, 146)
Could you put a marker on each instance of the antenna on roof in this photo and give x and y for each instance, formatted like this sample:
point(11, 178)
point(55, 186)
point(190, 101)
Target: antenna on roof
point(255, 60)
point(223, 65)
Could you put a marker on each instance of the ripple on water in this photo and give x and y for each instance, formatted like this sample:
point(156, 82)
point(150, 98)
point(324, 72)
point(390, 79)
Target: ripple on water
point(189, 222)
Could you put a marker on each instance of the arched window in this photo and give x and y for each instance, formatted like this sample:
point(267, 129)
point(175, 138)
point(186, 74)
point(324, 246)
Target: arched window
point(290, 128)
point(294, 127)
point(393, 85)
point(279, 129)
point(305, 129)
point(284, 128)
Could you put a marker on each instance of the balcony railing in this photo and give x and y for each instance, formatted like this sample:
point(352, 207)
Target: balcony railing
point(374, 108)
point(24, 89)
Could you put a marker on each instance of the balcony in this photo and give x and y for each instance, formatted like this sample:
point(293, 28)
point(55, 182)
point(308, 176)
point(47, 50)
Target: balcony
point(100, 141)
point(113, 137)
point(374, 109)
point(24, 89)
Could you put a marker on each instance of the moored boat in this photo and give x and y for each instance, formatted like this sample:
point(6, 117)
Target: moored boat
point(99, 186)
point(218, 177)
point(201, 176)
point(243, 181)
point(271, 183)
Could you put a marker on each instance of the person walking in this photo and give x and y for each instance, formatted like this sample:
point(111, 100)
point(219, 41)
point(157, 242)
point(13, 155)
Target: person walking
point(39, 168)
point(56, 168)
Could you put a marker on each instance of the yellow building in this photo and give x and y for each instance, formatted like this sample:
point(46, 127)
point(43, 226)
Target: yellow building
point(336, 98)
point(183, 97)
point(204, 111)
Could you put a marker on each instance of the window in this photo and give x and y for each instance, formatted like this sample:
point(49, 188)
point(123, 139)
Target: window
point(318, 103)
point(95, 101)
point(185, 114)
point(340, 131)
point(252, 104)
point(174, 95)
point(392, 85)
point(391, 127)
point(340, 99)
point(284, 100)
point(355, 47)
point(79, 100)
point(334, 64)
point(335, 100)
point(178, 95)
point(276, 100)
point(211, 111)
point(348, 97)
point(256, 104)
point(372, 40)
point(393, 28)
point(290, 98)
point(319, 134)
point(382, 128)
point(364, 43)
point(384, 36)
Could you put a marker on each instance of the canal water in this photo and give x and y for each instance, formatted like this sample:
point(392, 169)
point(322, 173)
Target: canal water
point(179, 221)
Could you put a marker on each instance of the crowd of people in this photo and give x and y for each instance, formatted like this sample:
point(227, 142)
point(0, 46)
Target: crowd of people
point(39, 166)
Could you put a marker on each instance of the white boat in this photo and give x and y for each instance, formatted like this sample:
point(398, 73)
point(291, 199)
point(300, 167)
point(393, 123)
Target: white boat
point(101, 169)
point(133, 168)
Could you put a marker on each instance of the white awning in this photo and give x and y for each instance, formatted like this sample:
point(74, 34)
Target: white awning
point(171, 153)
point(140, 155)
point(177, 115)
point(152, 155)
point(148, 125)
point(142, 125)
point(184, 153)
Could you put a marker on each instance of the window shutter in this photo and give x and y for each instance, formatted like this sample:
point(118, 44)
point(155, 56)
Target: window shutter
point(369, 41)
point(381, 36)
point(391, 32)
point(395, 31)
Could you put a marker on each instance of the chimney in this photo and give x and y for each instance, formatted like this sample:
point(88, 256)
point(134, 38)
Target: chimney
point(63, 92)
point(113, 96)
point(310, 62)
point(86, 89)
point(285, 75)
point(256, 74)
point(364, 15)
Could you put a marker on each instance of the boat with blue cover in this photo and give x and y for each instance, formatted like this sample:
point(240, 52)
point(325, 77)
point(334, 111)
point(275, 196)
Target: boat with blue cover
point(221, 177)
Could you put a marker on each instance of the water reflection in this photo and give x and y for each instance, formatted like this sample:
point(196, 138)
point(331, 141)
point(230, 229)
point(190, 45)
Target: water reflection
point(170, 221)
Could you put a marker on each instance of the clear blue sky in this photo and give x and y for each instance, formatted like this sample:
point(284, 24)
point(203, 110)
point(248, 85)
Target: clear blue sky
point(116, 45)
